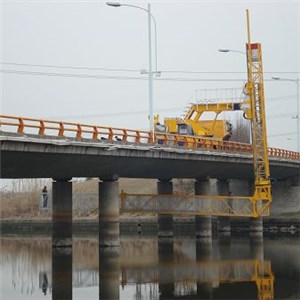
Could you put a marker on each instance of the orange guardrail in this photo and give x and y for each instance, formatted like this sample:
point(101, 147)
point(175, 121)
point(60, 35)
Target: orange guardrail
point(61, 129)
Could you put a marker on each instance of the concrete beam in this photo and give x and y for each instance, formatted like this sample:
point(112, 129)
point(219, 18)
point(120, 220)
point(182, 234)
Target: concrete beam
point(295, 181)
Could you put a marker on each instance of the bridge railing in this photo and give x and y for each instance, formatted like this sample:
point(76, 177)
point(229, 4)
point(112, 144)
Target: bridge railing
point(50, 128)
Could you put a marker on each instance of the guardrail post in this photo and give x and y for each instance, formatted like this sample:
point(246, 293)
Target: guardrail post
point(203, 224)
point(109, 231)
point(165, 221)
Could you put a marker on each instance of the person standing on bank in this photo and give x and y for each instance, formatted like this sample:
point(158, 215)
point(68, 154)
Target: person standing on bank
point(44, 197)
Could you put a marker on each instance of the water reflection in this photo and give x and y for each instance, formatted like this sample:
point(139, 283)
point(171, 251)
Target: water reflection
point(189, 267)
point(148, 268)
point(43, 282)
point(61, 273)
point(109, 269)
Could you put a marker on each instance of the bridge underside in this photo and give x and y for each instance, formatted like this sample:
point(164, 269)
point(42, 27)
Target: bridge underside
point(42, 165)
point(40, 158)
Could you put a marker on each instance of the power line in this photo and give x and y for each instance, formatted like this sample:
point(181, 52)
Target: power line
point(281, 116)
point(281, 134)
point(93, 76)
point(137, 112)
point(69, 67)
point(135, 70)
point(224, 72)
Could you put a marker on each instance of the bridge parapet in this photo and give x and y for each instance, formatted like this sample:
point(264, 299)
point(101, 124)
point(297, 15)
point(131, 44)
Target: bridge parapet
point(59, 129)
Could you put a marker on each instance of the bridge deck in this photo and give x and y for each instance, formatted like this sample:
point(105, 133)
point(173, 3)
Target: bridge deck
point(33, 156)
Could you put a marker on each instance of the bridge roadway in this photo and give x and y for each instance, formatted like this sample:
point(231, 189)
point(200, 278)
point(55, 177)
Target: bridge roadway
point(33, 156)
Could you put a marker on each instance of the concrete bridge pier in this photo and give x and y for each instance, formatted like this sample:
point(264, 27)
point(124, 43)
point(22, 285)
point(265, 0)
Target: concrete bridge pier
point(246, 188)
point(109, 272)
point(62, 213)
point(223, 222)
point(109, 227)
point(165, 222)
point(255, 224)
point(203, 223)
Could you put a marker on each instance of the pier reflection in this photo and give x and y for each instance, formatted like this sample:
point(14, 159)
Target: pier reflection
point(109, 270)
point(142, 267)
point(191, 268)
point(61, 273)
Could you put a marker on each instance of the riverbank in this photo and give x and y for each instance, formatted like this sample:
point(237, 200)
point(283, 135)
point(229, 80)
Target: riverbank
point(271, 225)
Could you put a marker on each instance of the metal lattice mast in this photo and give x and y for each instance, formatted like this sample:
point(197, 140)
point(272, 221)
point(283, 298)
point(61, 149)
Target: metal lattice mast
point(258, 117)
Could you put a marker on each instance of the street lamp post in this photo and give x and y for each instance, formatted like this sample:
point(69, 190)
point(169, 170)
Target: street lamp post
point(297, 117)
point(230, 50)
point(150, 71)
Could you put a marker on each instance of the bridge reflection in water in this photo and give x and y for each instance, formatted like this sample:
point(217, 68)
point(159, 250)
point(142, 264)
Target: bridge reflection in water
point(146, 268)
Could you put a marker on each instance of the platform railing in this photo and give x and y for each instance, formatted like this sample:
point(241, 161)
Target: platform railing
point(49, 128)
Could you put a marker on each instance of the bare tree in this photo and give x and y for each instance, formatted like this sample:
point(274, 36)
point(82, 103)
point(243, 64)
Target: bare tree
point(241, 129)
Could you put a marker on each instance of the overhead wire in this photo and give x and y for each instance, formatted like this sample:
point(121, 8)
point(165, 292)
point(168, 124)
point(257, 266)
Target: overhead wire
point(70, 67)
point(119, 77)
point(133, 70)
point(282, 134)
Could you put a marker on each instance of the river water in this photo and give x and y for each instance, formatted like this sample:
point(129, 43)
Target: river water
point(146, 267)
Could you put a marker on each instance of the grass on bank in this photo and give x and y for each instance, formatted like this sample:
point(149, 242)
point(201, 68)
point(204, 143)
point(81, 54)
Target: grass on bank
point(22, 199)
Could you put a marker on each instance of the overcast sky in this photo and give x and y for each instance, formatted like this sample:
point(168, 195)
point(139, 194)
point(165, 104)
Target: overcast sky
point(90, 34)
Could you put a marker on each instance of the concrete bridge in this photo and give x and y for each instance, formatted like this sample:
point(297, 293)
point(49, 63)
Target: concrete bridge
point(34, 156)
point(34, 148)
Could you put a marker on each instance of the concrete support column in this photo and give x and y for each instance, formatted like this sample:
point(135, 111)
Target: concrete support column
point(109, 273)
point(203, 224)
point(61, 273)
point(165, 222)
point(109, 229)
point(255, 224)
point(223, 222)
point(62, 213)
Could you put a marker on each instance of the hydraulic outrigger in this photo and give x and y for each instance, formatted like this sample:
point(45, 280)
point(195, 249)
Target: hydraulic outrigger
point(249, 206)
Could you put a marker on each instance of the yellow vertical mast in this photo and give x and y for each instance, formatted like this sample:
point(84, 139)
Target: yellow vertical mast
point(255, 86)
